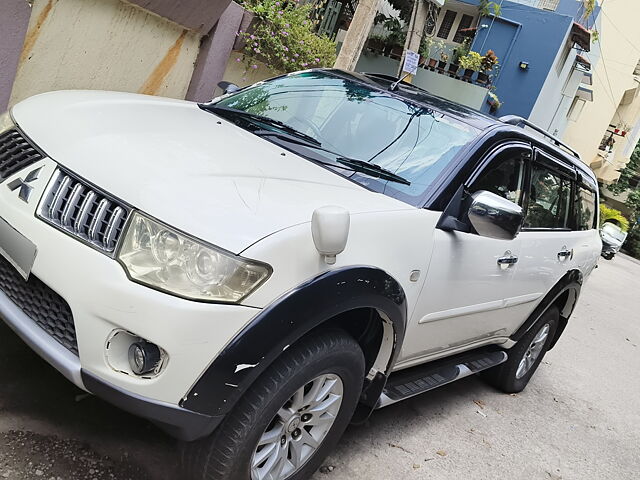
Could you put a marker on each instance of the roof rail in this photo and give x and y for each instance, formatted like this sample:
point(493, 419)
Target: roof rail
point(517, 121)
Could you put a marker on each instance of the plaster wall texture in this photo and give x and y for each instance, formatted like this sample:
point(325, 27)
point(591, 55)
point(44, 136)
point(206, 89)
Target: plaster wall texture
point(103, 44)
point(14, 18)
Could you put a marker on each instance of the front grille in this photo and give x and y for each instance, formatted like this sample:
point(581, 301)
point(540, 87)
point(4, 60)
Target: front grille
point(41, 304)
point(85, 212)
point(16, 153)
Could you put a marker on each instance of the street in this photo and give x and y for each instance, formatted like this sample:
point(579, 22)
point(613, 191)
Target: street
point(578, 419)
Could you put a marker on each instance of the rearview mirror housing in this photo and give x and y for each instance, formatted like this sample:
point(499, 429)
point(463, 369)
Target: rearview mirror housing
point(493, 216)
point(228, 87)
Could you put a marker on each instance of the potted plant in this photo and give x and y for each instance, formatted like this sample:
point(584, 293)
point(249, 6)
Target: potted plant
point(396, 37)
point(494, 102)
point(444, 58)
point(376, 43)
point(435, 46)
point(471, 62)
point(488, 63)
point(458, 52)
point(425, 48)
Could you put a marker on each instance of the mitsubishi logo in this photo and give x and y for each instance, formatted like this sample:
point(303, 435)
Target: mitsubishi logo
point(24, 185)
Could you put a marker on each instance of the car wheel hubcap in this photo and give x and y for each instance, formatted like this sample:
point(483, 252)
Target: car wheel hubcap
point(298, 429)
point(533, 351)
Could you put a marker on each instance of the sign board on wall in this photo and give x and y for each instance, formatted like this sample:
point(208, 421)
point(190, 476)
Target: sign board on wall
point(411, 61)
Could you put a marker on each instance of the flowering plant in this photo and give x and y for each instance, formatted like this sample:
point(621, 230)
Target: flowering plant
point(283, 37)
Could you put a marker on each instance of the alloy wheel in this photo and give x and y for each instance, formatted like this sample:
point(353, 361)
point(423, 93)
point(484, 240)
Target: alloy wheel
point(533, 351)
point(298, 429)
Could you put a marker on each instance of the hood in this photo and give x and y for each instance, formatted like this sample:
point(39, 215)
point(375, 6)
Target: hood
point(187, 167)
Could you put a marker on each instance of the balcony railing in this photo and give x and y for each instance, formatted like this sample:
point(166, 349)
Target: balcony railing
point(542, 4)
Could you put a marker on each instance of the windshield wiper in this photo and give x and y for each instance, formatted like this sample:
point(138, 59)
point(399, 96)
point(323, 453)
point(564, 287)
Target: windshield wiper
point(255, 118)
point(372, 170)
point(359, 166)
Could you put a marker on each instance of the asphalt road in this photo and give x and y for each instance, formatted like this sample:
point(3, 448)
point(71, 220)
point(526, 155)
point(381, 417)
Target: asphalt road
point(578, 418)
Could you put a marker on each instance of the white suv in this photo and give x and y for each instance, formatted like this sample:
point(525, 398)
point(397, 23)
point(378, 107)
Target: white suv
point(253, 273)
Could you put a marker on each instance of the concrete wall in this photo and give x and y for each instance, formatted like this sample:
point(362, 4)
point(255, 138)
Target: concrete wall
point(197, 15)
point(14, 18)
point(103, 44)
point(441, 85)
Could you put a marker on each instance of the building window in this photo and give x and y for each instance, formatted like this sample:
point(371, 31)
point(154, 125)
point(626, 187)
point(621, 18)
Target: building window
point(447, 24)
point(465, 22)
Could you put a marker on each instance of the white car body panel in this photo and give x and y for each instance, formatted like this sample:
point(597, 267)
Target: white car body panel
point(234, 188)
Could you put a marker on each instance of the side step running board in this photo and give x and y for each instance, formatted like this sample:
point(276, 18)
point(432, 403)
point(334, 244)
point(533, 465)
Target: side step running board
point(414, 381)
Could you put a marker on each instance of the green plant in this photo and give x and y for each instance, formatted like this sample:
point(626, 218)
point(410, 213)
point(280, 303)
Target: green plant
point(471, 61)
point(461, 50)
point(283, 37)
point(632, 243)
point(629, 172)
point(611, 214)
point(595, 36)
point(397, 33)
point(487, 8)
point(494, 101)
point(589, 6)
point(489, 61)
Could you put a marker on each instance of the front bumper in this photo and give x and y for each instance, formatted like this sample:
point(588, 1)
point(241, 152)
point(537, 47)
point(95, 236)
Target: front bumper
point(103, 301)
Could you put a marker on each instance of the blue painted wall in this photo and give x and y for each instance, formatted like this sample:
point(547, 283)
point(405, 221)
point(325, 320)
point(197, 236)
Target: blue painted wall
point(522, 33)
point(525, 33)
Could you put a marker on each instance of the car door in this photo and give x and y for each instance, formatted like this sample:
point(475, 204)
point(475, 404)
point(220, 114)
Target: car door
point(550, 244)
point(469, 291)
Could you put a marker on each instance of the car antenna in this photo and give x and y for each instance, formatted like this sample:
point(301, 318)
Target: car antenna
point(394, 86)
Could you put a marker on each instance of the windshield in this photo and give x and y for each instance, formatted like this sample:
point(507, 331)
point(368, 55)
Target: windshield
point(360, 123)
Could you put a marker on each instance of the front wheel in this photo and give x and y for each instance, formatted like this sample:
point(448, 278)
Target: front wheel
point(290, 419)
point(525, 356)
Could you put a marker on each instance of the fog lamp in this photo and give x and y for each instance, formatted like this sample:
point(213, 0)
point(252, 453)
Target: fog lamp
point(144, 357)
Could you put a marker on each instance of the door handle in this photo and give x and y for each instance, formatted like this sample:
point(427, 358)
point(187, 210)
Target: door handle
point(564, 254)
point(507, 260)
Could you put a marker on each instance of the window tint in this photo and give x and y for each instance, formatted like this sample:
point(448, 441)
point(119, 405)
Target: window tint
point(549, 200)
point(504, 176)
point(586, 209)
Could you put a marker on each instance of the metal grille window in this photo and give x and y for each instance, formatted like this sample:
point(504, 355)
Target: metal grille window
point(83, 211)
point(447, 24)
point(465, 22)
point(16, 153)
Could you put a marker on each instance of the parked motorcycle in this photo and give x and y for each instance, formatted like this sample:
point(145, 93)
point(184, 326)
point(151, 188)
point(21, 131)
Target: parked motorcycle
point(612, 239)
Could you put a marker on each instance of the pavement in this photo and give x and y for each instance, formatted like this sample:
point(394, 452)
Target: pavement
point(577, 419)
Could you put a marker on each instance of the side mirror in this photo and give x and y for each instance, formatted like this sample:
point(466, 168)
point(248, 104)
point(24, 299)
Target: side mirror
point(330, 231)
point(495, 217)
point(228, 87)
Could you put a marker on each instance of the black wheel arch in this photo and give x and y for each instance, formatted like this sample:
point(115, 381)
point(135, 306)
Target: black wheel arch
point(563, 295)
point(332, 299)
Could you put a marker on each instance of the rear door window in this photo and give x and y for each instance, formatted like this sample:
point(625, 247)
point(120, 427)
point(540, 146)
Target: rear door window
point(549, 199)
point(586, 209)
point(505, 175)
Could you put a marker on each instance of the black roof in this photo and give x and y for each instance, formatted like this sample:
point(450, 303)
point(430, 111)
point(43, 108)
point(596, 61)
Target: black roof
point(463, 113)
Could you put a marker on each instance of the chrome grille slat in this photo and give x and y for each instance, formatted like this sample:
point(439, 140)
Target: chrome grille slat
point(16, 153)
point(81, 210)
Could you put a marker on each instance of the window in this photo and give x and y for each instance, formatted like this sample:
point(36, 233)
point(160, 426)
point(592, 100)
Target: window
point(465, 22)
point(447, 24)
point(505, 176)
point(563, 58)
point(586, 209)
point(576, 109)
point(549, 200)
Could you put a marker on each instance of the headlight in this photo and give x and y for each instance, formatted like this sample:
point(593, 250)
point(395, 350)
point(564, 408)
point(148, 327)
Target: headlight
point(160, 257)
point(6, 123)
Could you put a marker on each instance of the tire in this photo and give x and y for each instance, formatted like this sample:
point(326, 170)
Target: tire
point(230, 451)
point(513, 375)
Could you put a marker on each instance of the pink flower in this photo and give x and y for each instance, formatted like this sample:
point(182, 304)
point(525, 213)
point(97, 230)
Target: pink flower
point(277, 4)
point(257, 50)
point(286, 49)
point(252, 37)
point(301, 42)
point(255, 44)
point(280, 12)
point(254, 66)
point(238, 59)
point(317, 60)
point(305, 64)
point(296, 55)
